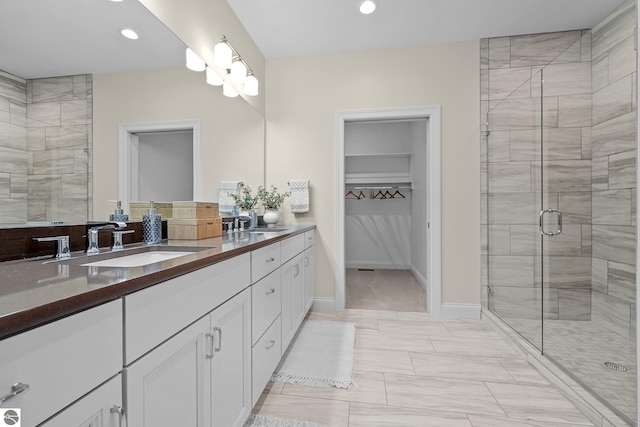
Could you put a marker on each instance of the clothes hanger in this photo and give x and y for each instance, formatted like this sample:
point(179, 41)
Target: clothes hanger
point(361, 195)
point(398, 193)
point(351, 193)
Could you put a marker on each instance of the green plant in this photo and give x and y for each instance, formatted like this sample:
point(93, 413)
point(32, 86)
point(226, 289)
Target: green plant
point(271, 199)
point(245, 201)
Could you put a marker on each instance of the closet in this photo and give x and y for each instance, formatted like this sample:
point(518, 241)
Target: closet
point(385, 214)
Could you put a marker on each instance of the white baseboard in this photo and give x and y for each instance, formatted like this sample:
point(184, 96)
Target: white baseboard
point(376, 265)
point(465, 311)
point(324, 304)
point(420, 278)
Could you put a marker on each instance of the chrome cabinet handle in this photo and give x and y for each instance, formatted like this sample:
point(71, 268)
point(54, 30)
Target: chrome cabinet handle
point(297, 270)
point(271, 344)
point(306, 261)
point(219, 346)
point(16, 389)
point(541, 225)
point(270, 259)
point(115, 409)
point(210, 340)
point(270, 291)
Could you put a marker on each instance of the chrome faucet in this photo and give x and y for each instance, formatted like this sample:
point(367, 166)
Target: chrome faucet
point(62, 245)
point(92, 234)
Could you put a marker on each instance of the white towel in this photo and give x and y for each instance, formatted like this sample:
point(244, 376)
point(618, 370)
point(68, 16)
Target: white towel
point(299, 195)
point(225, 201)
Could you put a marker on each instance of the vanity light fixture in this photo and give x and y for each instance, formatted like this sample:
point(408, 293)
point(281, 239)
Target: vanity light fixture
point(238, 71)
point(228, 90)
point(129, 33)
point(213, 78)
point(222, 54)
point(251, 85)
point(367, 7)
point(194, 62)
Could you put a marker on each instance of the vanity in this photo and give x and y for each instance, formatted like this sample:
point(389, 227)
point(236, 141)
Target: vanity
point(145, 337)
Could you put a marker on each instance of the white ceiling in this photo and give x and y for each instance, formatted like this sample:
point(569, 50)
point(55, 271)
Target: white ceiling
point(42, 38)
point(282, 28)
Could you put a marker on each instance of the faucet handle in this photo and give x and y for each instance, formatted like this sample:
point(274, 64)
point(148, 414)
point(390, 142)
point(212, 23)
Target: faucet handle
point(117, 239)
point(62, 245)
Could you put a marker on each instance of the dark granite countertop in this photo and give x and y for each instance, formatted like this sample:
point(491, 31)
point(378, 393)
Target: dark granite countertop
point(36, 291)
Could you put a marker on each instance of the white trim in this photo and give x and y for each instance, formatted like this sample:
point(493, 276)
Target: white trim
point(433, 114)
point(377, 265)
point(419, 277)
point(126, 135)
point(323, 304)
point(463, 311)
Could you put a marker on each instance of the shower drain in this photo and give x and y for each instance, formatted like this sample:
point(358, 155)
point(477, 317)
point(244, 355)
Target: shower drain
point(615, 366)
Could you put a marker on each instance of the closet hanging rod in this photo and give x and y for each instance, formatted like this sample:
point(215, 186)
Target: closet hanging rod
point(386, 187)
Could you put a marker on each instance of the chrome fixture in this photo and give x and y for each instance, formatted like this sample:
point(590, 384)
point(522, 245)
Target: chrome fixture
point(117, 239)
point(92, 234)
point(62, 245)
point(541, 225)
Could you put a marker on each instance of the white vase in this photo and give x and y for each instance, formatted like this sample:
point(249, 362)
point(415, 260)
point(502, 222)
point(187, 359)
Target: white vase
point(271, 217)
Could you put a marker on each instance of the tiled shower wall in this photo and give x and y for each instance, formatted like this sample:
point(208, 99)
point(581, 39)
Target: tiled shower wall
point(614, 171)
point(45, 142)
point(510, 93)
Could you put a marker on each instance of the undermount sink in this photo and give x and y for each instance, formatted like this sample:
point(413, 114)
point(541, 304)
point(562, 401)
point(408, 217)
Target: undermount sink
point(137, 260)
point(131, 257)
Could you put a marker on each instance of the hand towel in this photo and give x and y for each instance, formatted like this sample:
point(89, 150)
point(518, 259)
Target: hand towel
point(299, 195)
point(225, 201)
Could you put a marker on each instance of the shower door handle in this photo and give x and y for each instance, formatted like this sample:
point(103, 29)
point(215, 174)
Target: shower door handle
point(541, 224)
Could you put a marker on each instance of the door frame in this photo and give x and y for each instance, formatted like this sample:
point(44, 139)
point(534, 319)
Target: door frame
point(126, 152)
point(432, 113)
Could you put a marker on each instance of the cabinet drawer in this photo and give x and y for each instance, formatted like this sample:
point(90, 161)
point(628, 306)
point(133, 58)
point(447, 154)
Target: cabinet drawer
point(309, 238)
point(264, 261)
point(154, 314)
point(61, 361)
point(292, 247)
point(265, 358)
point(265, 303)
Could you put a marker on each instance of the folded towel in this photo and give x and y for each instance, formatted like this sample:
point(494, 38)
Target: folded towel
point(299, 195)
point(225, 201)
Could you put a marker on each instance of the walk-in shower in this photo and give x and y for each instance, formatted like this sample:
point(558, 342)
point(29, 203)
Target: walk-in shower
point(558, 191)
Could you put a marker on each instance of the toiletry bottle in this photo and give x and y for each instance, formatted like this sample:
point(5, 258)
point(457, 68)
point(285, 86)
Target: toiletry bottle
point(119, 214)
point(151, 226)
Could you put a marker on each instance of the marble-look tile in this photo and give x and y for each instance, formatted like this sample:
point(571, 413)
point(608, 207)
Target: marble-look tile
point(73, 113)
point(323, 411)
point(564, 272)
point(470, 328)
point(611, 313)
point(368, 339)
point(484, 178)
point(500, 52)
point(496, 148)
point(541, 49)
point(474, 347)
point(622, 281)
point(612, 101)
point(18, 113)
point(559, 144)
point(13, 88)
point(574, 304)
point(565, 79)
point(622, 170)
point(612, 207)
point(563, 175)
point(362, 415)
point(517, 114)
point(80, 161)
point(5, 110)
point(634, 204)
point(574, 111)
point(441, 394)
point(52, 89)
point(586, 240)
point(634, 91)
point(600, 173)
point(74, 186)
point(376, 360)
point(522, 371)
point(368, 387)
point(13, 161)
point(496, 239)
point(36, 209)
point(509, 177)
point(512, 208)
point(585, 45)
point(509, 83)
point(14, 137)
point(36, 139)
point(525, 240)
point(52, 162)
point(613, 29)
point(13, 211)
point(70, 210)
point(586, 142)
point(615, 135)
point(415, 316)
point(357, 314)
point(484, 54)
point(484, 85)
point(19, 189)
point(430, 329)
point(571, 54)
point(511, 271)
point(622, 59)
point(523, 303)
point(575, 207)
point(5, 185)
point(566, 244)
point(482, 421)
point(467, 368)
point(614, 243)
point(599, 275)
point(66, 137)
point(600, 72)
point(80, 86)
point(44, 186)
point(43, 115)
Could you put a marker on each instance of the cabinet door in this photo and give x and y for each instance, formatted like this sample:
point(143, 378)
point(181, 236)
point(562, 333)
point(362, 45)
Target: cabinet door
point(100, 408)
point(170, 386)
point(231, 362)
point(308, 264)
point(292, 299)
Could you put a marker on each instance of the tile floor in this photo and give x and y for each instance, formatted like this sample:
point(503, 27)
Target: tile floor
point(413, 370)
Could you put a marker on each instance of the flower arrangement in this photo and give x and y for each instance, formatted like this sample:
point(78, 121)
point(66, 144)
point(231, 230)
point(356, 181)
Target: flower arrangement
point(245, 201)
point(271, 199)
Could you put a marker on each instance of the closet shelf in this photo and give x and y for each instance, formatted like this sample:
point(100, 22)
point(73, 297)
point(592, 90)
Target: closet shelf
point(378, 178)
point(379, 168)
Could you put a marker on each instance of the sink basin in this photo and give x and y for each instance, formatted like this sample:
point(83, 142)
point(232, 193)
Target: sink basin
point(137, 260)
point(266, 230)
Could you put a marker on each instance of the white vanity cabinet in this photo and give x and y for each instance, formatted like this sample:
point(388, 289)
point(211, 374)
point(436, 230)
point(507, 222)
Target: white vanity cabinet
point(61, 362)
point(308, 265)
point(293, 310)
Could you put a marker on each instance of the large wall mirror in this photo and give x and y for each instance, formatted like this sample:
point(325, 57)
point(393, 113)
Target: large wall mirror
point(69, 82)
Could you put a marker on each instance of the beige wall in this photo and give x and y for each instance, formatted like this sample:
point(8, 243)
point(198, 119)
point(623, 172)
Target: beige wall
point(302, 96)
point(232, 131)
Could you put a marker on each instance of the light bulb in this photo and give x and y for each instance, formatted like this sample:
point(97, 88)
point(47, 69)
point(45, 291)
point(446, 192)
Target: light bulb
point(238, 72)
point(129, 33)
point(251, 85)
point(368, 6)
point(213, 78)
point(194, 62)
point(227, 90)
point(222, 55)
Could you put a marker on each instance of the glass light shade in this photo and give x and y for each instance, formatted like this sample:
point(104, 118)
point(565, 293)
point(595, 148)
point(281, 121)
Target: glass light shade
point(238, 72)
point(227, 90)
point(368, 6)
point(222, 55)
point(251, 85)
point(213, 78)
point(194, 62)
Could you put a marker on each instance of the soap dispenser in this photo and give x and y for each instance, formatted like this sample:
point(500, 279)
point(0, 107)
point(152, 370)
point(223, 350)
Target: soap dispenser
point(119, 214)
point(151, 226)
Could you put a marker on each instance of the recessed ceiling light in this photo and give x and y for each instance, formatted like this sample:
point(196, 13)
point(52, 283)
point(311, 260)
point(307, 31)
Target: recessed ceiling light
point(129, 33)
point(368, 6)
point(116, 1)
